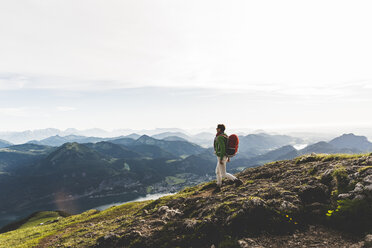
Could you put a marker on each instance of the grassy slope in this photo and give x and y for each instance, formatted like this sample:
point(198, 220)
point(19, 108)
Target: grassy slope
point(82, 230)
point(71, 228)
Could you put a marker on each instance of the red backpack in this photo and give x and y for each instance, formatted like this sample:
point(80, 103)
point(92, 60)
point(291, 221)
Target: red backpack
point(232, 145)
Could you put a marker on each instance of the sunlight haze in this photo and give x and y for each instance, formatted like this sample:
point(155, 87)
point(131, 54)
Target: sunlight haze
point(188, 64)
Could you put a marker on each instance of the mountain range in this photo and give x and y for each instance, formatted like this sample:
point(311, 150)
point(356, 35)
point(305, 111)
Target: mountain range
point(20, 137)
point(88, 174)
point(4, 143)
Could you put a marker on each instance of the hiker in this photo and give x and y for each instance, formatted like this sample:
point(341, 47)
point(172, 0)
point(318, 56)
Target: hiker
point(220, 150)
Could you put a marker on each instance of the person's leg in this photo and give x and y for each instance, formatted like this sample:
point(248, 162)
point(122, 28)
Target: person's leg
point(218, 173)
point(223, 170)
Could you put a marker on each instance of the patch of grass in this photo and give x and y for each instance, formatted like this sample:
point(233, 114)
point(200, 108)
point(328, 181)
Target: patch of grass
point(73, 228)
point(326, 157)
point(228, 207)
point(272, 163)
point(341, 178)
point(351, 215)
point(41, 217)
point(334, 194)
point(306, 159)
point(339, 156)
point(311, 171)
point(363, 169)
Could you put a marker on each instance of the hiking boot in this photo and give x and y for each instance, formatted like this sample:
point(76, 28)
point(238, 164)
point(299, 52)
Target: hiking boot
point(217, 189)
point(229, 182)
point(238, 182)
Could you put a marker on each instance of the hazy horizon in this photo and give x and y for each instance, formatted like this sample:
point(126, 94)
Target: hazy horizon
point(308, 136)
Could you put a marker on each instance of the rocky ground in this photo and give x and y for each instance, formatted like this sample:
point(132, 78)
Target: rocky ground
point(311, 201)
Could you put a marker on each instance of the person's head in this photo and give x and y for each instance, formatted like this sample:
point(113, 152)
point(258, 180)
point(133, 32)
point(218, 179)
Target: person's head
point(220, 128)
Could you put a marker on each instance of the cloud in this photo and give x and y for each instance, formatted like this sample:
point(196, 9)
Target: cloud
point(122, 44)
point(17, 112)
point(12, 81)
point(65, 108)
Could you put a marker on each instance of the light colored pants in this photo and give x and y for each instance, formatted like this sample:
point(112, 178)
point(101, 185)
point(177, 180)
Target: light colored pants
point(221, 170)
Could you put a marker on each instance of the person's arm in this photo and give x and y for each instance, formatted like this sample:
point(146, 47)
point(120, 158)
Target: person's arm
point(221, 146)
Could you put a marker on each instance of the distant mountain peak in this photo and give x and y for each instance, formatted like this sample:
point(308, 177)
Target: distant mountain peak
point(71, 145)
point(351, 140)
point(350, 135)
point(4, 143)
point(145, 138)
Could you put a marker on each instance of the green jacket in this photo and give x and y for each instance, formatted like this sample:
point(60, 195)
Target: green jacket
point(220, 145)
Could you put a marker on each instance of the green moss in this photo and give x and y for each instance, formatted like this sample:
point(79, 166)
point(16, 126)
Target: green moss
point(72, 227)
point(326, 157)
point(338, 156)
point(351, 215)
point(361, 170)
point(304, 159)
point(272, 163)
point(41, 218)
point(311, 171)
point(341, 178)
point(334, 194)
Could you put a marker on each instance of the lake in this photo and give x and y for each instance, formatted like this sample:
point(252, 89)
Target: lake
point(144, 198)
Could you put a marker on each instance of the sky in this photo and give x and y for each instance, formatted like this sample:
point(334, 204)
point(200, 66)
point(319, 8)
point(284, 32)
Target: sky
point(187, 64)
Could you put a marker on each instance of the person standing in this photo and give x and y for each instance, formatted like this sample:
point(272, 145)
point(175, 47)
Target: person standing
point(220, 142)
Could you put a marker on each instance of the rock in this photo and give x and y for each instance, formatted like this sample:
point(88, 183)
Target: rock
point(358, 245)
point(368, 239)
point(368, 171)
point(190, 223)
point(368, 179)
point(327, 177)
point(368, 189)
point(359, 197)
point(163, 208)
point(309, 194)
point(358, 188)
point(344, 196)
point(109, 236)
point(51, 221)
point(176, 201)
point(248, 243)
point(168, 213)
point(287, 206)
point(258, 201)
point(254, 201)
point(107, 240)
point(234, 215)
